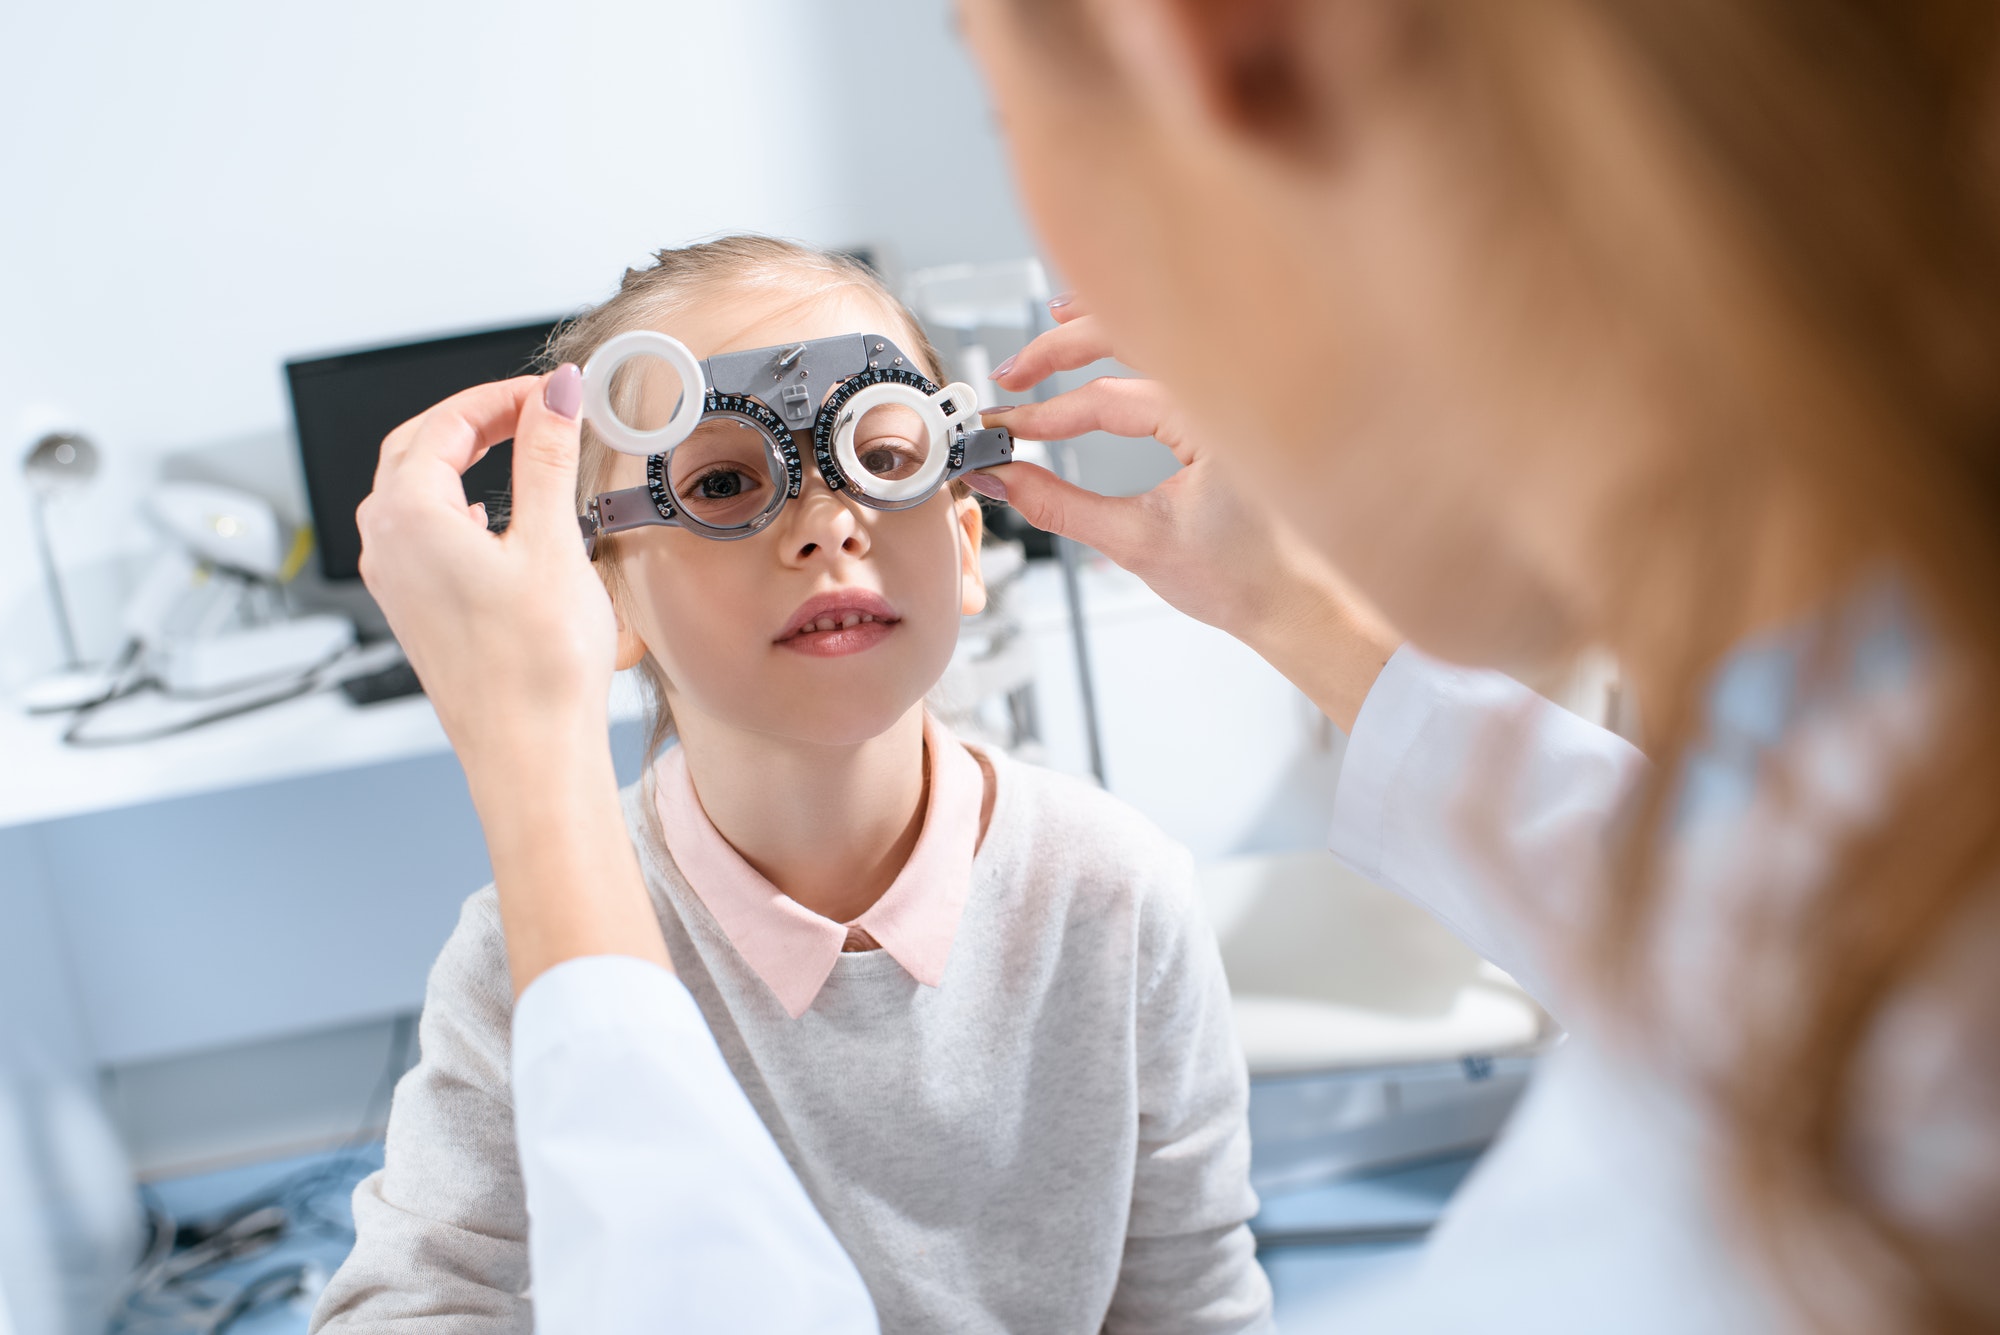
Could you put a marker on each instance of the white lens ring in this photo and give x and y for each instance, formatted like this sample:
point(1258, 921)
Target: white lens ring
point(603, 366)
point(919, 484)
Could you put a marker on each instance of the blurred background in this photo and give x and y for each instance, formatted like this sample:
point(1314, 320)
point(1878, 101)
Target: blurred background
point(198, 193)
point(231, 836)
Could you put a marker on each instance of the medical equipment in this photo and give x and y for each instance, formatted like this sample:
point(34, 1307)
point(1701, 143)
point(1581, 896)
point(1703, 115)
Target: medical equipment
point(962, 305)
point(223, 527)
point(208, 633)
point(218, 622)
point(726, 457)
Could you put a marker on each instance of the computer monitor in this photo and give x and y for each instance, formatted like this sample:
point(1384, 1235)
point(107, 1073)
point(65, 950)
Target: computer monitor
point(346, 403)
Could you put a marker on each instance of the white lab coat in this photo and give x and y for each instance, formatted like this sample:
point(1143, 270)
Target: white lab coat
point(1596, 1210)
point(656, 1198)
point(652, 1188)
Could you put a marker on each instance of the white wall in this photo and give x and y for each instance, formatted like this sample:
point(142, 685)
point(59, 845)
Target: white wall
point(197, 191)
point(1198, 733)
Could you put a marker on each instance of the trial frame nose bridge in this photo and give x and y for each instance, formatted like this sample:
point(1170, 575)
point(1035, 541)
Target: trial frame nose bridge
point(793, 381)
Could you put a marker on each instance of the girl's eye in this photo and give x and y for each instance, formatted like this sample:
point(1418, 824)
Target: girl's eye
point(720, 486)
point(888, 458)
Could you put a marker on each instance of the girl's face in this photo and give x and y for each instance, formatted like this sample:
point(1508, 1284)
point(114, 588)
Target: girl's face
point(831, 623)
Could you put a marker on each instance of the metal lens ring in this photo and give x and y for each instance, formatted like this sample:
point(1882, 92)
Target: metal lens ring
point(788, 446)
point(709, 482)
point(835, 455)
point(602, 369)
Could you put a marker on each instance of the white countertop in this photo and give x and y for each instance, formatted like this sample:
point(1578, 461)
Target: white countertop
point(42, 779)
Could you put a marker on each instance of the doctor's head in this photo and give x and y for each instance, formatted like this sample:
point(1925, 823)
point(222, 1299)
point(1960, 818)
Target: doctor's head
point(831, 622)
point(1636, 322)
point(1513, 297)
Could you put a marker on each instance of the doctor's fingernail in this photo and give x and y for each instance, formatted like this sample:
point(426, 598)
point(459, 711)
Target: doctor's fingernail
point(987, 485)
point(998, 408)
point(1061, 300)
point(563, 393)
point(1004, 367)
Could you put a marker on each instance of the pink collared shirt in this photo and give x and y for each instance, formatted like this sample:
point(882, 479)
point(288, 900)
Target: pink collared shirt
point(794, 949)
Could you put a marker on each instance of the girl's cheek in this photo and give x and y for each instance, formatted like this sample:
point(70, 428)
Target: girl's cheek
point(922, 560)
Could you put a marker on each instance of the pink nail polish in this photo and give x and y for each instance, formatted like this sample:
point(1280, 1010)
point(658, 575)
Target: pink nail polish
point(563, 394)
point(1056, 303)
point(987, 485)
point(1004, 367)
point(998, 408)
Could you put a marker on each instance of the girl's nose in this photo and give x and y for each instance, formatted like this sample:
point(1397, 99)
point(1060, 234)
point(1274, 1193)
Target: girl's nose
point(822, 522)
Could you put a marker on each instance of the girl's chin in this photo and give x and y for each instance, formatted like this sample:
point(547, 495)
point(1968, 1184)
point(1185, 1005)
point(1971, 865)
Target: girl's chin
point(840, 699)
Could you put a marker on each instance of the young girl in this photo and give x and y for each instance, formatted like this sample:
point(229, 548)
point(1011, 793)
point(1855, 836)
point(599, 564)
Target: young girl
point(974, 1002)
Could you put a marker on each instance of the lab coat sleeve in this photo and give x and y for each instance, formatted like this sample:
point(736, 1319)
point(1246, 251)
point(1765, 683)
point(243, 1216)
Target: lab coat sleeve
point(656, 1198)
point(1488, 806)
point(1190, 1263)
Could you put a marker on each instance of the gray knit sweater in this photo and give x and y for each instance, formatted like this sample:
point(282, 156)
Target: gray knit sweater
point(1052, 1140)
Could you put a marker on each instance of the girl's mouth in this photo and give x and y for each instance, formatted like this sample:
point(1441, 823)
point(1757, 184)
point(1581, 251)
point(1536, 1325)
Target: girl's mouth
point(830, 625)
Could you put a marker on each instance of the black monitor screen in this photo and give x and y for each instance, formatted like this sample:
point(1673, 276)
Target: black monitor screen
point(344, 404)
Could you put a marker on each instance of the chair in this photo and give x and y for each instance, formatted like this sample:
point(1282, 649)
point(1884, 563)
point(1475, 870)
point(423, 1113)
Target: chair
point(1374, 1037)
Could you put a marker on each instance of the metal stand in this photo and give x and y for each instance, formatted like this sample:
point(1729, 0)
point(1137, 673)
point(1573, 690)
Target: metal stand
point(57, 603)
point(1063, 455)
point(984, 296)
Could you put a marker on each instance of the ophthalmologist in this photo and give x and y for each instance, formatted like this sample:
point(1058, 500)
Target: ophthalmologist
point(1670, 326)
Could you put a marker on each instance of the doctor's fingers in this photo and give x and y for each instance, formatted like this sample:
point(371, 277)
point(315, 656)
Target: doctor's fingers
point(1121, 527)
point(546, 442)
point(416, 510)
point(1066, 307)
point(1068, 346)
point(1122, 405)
point(458, 431)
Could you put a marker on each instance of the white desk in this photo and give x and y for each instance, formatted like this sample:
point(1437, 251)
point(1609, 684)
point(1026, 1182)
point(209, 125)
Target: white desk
point(291, 869)
point(41, 779)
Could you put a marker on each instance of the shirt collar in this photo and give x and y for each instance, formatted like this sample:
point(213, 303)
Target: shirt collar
point(794, 949)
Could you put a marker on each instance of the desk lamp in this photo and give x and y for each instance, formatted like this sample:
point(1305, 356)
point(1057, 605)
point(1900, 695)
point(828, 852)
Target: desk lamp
point(60, 461)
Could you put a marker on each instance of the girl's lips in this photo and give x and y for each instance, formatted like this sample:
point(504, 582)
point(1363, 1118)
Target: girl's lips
point(839, 615)
point(840, 641)
point(832, 625)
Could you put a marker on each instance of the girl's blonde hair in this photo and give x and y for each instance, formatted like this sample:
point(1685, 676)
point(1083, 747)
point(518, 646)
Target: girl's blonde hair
point(657, 297)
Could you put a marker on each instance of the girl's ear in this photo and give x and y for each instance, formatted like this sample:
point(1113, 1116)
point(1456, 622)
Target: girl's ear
point(971, 528)
point(631, 649)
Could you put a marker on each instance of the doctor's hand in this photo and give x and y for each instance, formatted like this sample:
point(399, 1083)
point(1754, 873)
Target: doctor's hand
point(512, 634)
point(514, 639)
point(1192, 538)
